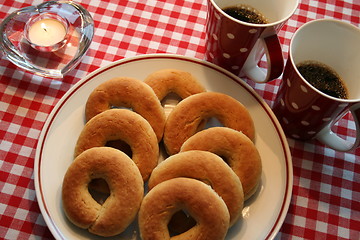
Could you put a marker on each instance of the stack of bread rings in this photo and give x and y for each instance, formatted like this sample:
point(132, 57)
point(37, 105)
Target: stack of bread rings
point(196, 192)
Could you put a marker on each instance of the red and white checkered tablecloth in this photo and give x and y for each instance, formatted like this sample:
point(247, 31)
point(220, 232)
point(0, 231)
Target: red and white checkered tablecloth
point(326, 191)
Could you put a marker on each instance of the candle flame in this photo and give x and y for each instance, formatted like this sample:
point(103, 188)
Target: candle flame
point(43, 26)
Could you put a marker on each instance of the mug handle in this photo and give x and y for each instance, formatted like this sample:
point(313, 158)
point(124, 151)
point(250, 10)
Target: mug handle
point(329, 138)
point(274, 59)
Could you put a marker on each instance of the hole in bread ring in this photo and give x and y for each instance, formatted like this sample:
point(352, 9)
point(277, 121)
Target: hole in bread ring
point(208, 168)
point(180, 222)
point(99, 190)
point(118, 170)
point(237, 150)
point(120, 145)
point(167, 81)
point(125, 125)
point(185, 118)
point(169, 102)
point(169, 197)
point(172, 85)
point(130, 93)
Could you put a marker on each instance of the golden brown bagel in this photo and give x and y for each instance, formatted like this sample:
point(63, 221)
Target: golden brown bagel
point(207, 167)
point(237, 149)
point(167, 81)
point(125, 125)
point(185, 118)
point(130, 93)
point(173, 195)
point(120, 208)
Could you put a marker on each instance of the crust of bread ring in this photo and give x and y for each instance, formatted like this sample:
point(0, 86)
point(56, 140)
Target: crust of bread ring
point(125, 125)
point(236, 148)
point(130, 93)
point(167, 81)
point(196, 197)
point(208, 168)
point(120, 208)
point(184, 120)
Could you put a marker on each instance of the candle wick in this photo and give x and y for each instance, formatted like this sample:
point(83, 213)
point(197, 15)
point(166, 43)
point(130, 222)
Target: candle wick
point(44, 27)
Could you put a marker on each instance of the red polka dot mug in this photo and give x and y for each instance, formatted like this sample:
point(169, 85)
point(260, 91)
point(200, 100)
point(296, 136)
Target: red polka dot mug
point(304, 111)
point(237, 43)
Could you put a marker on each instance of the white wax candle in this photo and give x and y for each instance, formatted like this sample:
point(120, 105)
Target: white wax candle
point(47, 32)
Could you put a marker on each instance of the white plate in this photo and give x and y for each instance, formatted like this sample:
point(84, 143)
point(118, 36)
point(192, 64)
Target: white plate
point(263, 214)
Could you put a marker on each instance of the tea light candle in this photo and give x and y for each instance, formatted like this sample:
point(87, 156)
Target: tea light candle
point(46, 32)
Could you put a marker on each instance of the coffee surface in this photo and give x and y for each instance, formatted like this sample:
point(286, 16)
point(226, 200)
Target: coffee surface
point(246, 14)
point(323, 78)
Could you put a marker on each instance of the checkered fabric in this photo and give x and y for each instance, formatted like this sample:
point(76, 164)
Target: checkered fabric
point(326, 192)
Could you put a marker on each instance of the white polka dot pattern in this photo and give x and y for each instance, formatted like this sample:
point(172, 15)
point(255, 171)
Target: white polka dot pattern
point(316, 108)
point(303, 88)
point(294, 105)
point(230, 35)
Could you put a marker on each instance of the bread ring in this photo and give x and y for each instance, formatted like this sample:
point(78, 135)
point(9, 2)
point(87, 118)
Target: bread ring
point(120, 208)
point(130, 93)
point(125, 125)
point(207, 167)
point(238, 151)
point(173, 195)
point(184, 119)
point(167, 81)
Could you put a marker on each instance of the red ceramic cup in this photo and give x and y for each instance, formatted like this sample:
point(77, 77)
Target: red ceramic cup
point(305, 112)
point(238, 46)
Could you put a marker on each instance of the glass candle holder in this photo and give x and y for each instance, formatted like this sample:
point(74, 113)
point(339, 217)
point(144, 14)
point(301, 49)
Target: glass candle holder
point(49, 39)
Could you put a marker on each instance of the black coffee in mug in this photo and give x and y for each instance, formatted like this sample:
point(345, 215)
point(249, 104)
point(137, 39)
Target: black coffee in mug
point(323, 78)
point(245, 13)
